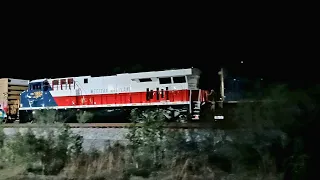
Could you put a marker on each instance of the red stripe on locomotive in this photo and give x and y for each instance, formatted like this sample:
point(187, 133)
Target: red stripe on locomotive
point(124, 98)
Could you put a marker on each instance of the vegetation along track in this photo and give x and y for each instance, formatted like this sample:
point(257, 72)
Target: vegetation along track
point(109, 125)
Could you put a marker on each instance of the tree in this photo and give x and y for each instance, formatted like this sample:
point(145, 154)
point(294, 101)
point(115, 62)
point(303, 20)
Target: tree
point(279, 122)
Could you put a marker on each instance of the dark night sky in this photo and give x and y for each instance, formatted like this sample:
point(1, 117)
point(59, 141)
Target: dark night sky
point(272, 54)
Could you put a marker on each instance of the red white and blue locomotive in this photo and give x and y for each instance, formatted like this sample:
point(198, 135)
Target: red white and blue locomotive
point(174, 90)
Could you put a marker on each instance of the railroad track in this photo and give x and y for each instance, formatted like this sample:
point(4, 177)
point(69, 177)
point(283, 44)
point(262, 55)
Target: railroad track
point(108, 125)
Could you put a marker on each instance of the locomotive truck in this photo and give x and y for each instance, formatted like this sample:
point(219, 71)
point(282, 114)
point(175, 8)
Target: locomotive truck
point(10, 90)
point(111, 98)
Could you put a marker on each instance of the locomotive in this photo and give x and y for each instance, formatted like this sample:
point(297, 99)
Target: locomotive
point(112, 98)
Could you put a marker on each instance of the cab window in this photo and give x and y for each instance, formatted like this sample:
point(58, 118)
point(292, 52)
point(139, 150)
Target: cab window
point(35, 86)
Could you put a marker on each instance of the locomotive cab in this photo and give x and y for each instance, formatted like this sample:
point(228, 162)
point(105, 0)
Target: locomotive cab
point(37, 95)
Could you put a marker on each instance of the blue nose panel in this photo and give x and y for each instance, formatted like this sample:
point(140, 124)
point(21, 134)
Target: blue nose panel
point(37, 99)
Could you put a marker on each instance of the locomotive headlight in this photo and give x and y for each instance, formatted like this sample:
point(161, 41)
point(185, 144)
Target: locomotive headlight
point(21, 105)
point(218, 117)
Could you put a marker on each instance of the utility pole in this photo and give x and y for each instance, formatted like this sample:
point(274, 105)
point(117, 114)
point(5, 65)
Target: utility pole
point(221, 73)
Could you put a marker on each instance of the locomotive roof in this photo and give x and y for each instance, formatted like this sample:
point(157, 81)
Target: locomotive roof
point(163, 73)
point(37, 80)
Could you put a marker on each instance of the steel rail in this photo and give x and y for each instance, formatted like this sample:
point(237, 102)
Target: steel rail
point(106, 125)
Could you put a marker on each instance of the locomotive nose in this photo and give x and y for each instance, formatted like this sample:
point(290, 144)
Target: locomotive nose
point(34, 96)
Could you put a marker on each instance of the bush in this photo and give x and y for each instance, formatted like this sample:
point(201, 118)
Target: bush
point(42, 151)
point(42, 154)
point(261, 145)
point(158, 151)
point(46, 116)
point(84, 116)
point(98, 165)
point(268, 143)
point(279, 124)
point(2, 137)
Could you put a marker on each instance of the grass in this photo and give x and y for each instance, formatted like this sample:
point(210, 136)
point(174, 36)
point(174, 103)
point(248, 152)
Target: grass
point(182, 161)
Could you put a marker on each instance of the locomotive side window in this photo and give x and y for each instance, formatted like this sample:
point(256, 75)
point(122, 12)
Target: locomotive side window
point(165, 80)
point(181, 79)
point(71, 83)
point(85, 81)
point(55, 84)
point(63, 84)
point(145, 80)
